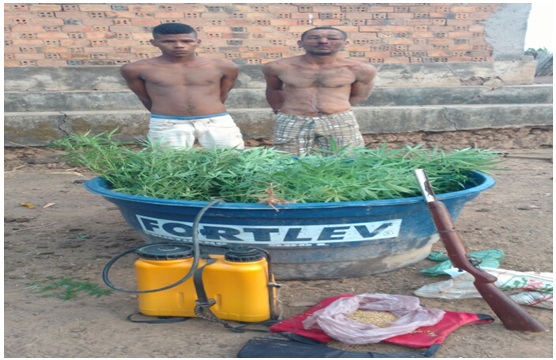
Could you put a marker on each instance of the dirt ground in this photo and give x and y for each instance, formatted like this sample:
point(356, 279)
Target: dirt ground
point(73, 233)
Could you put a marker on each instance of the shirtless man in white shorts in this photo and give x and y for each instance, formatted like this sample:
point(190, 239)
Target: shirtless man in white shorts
point(184, 93)
point(312, 94)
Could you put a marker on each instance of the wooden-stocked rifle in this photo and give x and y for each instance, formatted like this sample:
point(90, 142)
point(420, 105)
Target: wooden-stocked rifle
point(510, 313)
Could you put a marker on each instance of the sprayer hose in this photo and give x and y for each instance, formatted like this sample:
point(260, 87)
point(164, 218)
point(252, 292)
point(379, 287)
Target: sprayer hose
point(196, 256)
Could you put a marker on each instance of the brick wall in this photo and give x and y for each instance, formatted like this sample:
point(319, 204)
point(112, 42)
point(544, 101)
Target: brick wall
point(114, 34)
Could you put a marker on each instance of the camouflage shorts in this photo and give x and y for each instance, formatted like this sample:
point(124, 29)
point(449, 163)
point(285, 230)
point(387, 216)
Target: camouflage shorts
point(298, 134)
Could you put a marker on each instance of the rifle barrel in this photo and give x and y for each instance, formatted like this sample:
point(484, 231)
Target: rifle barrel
point(425, 185)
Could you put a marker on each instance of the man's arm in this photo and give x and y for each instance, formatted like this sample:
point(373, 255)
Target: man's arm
point(274, 88)
point(136, 84)
point(363, 85)
point(228, 81)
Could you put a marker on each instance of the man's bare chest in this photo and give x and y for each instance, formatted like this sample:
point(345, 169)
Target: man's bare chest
point(182, 77)
point(322, 78)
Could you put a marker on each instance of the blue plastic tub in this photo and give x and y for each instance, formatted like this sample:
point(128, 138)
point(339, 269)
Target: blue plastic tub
point(306, 241)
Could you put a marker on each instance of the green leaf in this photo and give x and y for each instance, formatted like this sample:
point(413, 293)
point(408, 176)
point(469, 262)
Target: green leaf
point(66, 288)
point(338, 174)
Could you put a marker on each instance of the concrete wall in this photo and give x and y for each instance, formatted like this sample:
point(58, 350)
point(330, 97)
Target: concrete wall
point(107, 78)
point(505, 31)
point(43, 104)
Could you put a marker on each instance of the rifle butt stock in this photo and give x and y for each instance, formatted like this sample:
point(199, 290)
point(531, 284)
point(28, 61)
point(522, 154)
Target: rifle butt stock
point(510, 313)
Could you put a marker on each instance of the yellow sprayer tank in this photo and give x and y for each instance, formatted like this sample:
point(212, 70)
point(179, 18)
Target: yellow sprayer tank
point(238, 282)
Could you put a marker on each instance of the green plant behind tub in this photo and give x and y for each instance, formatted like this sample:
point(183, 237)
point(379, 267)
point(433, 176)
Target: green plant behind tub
point(269, 176)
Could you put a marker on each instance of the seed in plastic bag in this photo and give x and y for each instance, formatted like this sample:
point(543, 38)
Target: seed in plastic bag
point(379, 318)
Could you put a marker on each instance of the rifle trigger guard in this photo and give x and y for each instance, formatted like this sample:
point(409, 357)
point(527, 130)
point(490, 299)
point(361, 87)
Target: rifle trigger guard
point(475, 261)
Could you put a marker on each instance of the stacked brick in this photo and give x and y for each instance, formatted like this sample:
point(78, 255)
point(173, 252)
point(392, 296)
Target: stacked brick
point(115, 34)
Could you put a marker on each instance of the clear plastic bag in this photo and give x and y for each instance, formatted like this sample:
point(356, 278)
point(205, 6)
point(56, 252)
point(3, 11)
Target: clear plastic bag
point(459, 287)
point(335, 322)
point(533, 289)
point(534, 299)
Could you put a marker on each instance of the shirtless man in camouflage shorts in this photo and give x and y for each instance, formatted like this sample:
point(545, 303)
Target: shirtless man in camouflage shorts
point(312, 94)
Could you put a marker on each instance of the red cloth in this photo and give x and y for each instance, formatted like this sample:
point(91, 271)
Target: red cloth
point(422, 337)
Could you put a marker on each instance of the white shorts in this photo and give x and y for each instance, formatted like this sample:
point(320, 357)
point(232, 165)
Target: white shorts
point(212, 131)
